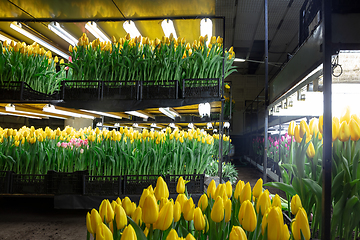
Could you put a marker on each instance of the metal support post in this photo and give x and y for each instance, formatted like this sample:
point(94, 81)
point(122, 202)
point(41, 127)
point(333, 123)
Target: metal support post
point(266, 88)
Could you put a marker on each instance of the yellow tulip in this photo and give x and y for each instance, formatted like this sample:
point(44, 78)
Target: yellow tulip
point(228, 189)
point(163, 202)
point(354, 130)
point(165, 217)
point(245, 193)
point(345, 115)
point(298, 139)
point(128, 233)
point(172, 235)
point(211, 189)
point(188, 209)
point(274, 223)
point(313, 126)
point(217, 212)
point(237, 233)
point(285, 233)
point(128, 206)
point(203, 202)
point(321, 124)
point(263, 202)
point(304, 128)
point(220, 190)
point(301, 223)
point(177, 212)
point(120, 217)
point(295, 204)
point(310, 151)
point(103, 232)
point(199, 220)
point(247, 216)
point(276, 201)
point(291, 129)
point(144, 194)
point(344, 132)
point(88, 224)
point(106, 212)
point(118, 201)
point(239, 186)
point(335, 128)
point(181, 198)
point(137, 216)
point(227, 209)
point(150, 211)
point(190, 237)
point(257, 190)
point(161, 189)
point(95, 219)
point(180, 187)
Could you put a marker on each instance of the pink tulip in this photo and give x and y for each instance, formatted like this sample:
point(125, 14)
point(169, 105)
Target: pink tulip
point(58, 144)
point(64, 144)
point(81, 150)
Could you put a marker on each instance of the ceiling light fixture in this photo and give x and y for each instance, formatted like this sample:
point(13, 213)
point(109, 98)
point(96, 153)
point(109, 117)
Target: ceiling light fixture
point(137, 114)
point(206, 28)
point(51, 108)
point(130, 28)
point(58, 30)
point(239, 60)
point(226, 125)
point(11, 108)
point(19, 115)
point(4, 38)
point(169, 112)
point(19, 28)
point(168, 28)
point(135, 125)
point(190, 125)
point(117, 125)
point(209, 125)
point(172, 125)
point(204, 109)
point(93, 28)
point(102, 114)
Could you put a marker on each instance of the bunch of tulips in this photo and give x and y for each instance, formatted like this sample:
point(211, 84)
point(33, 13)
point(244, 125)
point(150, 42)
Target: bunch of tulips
point(221, 213)
point(30, 64)
point(104, 152)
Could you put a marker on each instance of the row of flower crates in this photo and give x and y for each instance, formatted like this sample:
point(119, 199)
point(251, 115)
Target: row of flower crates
point(116, 90)
point(81, 183)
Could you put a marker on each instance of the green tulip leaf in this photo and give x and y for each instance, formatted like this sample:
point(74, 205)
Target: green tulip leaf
point(289, 189)
point(139, 233)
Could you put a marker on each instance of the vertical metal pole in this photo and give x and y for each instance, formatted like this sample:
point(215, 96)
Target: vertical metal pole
point(327, 152)
point(230, 99)
point(266, 88)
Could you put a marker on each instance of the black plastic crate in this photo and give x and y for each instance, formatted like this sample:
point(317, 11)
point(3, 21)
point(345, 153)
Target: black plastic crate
point(65, 182)
point(196, 184)
point(103, 185)
point(120, 89)
point(201, 88)
point(167, 89)
point(5, 181)
point(134, 184)
point(28, 184)
point(81, 90)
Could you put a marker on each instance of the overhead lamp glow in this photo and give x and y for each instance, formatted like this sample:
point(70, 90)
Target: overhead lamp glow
point(204, 109)
point(18, 27)
point(190, 125)
point(4, 38)
point(93, 28)
point(209, 125)
point(51, 108)
point(130, 28)
point(239, 60)
point(19, 115)
point(102, 113)
point(58, 30)
point(172, 125)
point(168, 112)
point(206, 28)
point(135, 125)
point(168, 28)
point(137, 114)
point(226, 125)
point(117, 125)
point(11, 108)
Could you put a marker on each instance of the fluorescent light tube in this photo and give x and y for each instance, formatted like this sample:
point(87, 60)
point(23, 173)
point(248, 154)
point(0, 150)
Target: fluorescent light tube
point(130, 28)
point(168, 28)
point(58, 30)
point(11, 108)
point(4, 38)
point(137, 114)
point(171, 114)
point(18, 27)
point(239, 60)
point(95, 30)
point(226, 125)
point(190, 125)
point(52, 109)
point(172, 125)
point(209, 125)
point(206, 28)
point(102, 113)
point(204, 109)
point(18, 115)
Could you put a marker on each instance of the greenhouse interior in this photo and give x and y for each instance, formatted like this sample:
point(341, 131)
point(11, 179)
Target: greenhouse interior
point(183, 119)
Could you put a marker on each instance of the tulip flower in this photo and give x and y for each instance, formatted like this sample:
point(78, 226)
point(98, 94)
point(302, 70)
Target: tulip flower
point(291, 129)
point(177, 211)
point(172, 235)
point(321, 124)
point(163, 201)
point(211, 189)
point(165, 217)
point(120, 217)
point(227, 205)
point(128, 206)
point(144, 194)
point(217, 212)
point(274, 222)
point(298, 139)
point(237, 233)
point(118, 201)
point(136, 216)
point(239, 186)
point(264, 202)
point(335, 128)
point(344, 132)
point(247, 216)
point(189, 237)
point(345, 115)
point(129, 233)
point(114, 204)
point(285, 233)
point(257, 190)
point(180, 187)
point(228, 189)
point(354, 129)
point(245, 193)
point(161, 189)
point(181, 198)
point(150, 211)
point(188, 209)
point(103, 232)
point(220, 191)
point(203, 202)
point(295, 204)
point(301, 223)
point(95, 219)
point(313, 126)
point(304, 128)
point(199, 220)
point(88, 224)
point(276, 202)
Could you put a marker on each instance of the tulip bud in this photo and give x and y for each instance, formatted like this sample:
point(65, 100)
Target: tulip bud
point(161, 189)
point(150, 211)
point(129, 233)
point(257, 190)
point(199, 220)
point(239, 186)
point(120, 217)
point(263, 202)
point(106, 211)
point(285, 233)
point(103, 232)
point(180, 187)
point(291, 129)
point(345, 115)
point(228, 189)
point(335, 128)
point(245, 193)
point(301, 223)
point(118, 201)
point(304, 128)
point(276, 202)
point(203, 202)
point(295, 204)
point(220, 190)
point(344, 132)
point(165, 217)
point(354, 129)
point(190, 237)
point(313, 126)
point(172, 235)
point(62, 61)
point(188, 209)
point(144, 194)
point(217, 212)
point(95, 219)
point(137, 216)
point(310, 151)
point(88, 224)
point(211, 189)
point(321, 125)
point(298, 139)
point(237, 233)
point(247, 216)
point(227, 209)
point(177, 211)
point(128, 206)
point(274, 221)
